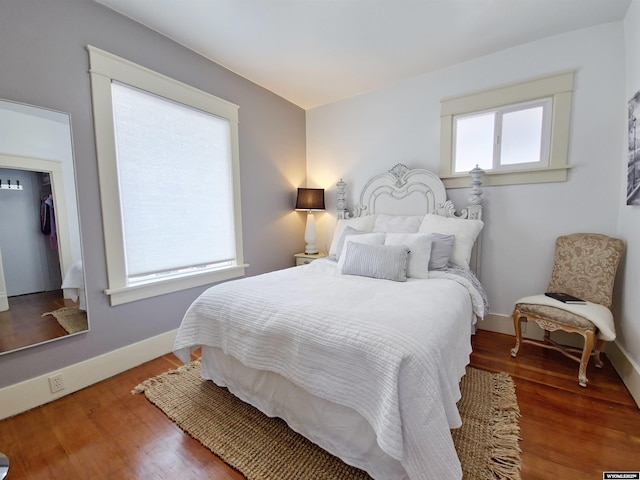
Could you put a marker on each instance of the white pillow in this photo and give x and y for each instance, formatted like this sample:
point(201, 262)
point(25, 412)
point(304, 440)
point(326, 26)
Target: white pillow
point(388, 262)
point(397, 223)
point(364, 223)
point(465, 231)
point(366, 238)
point(345, 233)
point(420, 251)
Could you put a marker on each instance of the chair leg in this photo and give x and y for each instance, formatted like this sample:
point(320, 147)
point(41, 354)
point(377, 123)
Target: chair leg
point(596, 356)
point(516, 326)
point(589, 339)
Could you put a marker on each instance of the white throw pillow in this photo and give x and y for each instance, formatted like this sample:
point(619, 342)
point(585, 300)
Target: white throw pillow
point(397, 223)
point(465, 231)
point(387, 262)
point(345, 233)
point(366, 238)
point(419, 251)
point(364, 224)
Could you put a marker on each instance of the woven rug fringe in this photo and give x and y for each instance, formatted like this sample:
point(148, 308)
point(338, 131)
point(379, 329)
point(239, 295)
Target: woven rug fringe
point(160, 379)
point(505, 449)
point(71, 318)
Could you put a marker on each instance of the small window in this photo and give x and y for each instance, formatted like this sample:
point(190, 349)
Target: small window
point(169, 181)
point(515, 136)
point(517, 133)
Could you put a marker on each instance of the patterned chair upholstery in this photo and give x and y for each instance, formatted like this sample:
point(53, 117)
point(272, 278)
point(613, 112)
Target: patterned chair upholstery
point(585, 266)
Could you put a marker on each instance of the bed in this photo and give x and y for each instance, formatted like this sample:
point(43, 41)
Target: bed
point(361, 352)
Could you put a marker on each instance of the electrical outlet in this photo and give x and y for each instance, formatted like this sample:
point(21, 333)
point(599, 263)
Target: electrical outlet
point(56, 383)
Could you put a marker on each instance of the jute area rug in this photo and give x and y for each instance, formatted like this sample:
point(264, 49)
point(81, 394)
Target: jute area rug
point(72, 319)
point(264, 448)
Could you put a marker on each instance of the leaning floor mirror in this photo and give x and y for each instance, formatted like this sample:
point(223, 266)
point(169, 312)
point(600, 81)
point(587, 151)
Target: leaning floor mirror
point(42, 296)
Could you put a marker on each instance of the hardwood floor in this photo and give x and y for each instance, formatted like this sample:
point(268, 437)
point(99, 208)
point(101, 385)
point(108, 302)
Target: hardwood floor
point(23, 324)
point(103, 431)
point(567, 432)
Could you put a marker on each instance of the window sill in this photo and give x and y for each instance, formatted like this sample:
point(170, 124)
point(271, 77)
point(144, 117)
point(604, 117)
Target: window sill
point(511, 177)
point(131, 293)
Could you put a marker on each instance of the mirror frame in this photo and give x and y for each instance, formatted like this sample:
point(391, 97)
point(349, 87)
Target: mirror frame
point(56, 169)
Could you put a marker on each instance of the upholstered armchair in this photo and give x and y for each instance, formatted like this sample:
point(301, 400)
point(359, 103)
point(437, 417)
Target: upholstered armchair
point(584, 266)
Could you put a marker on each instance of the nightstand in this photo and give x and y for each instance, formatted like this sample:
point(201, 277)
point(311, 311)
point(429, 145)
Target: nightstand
point(305, 258)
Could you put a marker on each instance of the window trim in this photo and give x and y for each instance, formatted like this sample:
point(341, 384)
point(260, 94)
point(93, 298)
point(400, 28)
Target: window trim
point(498, 121)
point(558, 87)
point(105, 67)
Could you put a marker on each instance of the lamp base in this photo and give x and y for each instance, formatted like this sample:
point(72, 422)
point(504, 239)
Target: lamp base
point(310, 234)
point(311, 249)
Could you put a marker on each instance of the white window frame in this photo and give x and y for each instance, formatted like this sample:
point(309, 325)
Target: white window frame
point(498, 134)
point(105, 68)
point(558, 88)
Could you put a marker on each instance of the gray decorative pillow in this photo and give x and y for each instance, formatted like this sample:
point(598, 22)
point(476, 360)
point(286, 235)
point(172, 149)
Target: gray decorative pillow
point(387, 262)
point(465, 230)
point(441, 248)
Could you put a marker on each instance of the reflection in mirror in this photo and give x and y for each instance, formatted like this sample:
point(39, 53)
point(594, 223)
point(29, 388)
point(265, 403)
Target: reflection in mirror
point(41, 276)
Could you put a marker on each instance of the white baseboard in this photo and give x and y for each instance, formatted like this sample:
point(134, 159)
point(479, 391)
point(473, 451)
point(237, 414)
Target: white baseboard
point(494, 322)
point(628, 370)
point(23, 396)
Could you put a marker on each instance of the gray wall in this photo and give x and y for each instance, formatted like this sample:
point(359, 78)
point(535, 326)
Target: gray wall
point(43, 61)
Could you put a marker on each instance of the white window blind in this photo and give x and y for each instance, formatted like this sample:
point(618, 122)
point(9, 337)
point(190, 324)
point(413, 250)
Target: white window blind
point(176, 186)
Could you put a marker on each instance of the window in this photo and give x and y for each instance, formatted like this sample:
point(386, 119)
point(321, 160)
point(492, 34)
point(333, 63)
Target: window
point(169, 181)
point(517, 134)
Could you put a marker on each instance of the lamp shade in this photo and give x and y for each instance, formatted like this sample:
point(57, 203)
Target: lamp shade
point(310, 199)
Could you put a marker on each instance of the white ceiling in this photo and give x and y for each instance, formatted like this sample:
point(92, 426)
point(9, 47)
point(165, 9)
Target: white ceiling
point(313, 52)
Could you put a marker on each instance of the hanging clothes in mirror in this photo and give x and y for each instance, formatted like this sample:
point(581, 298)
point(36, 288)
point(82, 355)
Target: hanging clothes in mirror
point(48, 221)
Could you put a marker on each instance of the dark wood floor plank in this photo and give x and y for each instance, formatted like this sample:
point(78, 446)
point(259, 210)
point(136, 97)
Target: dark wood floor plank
point(23, 324)
point(104, 431)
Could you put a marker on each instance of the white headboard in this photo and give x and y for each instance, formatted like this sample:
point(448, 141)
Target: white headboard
point(405, 191)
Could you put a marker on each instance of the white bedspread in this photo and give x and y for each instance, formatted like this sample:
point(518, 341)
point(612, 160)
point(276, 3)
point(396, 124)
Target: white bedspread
point(392, 351)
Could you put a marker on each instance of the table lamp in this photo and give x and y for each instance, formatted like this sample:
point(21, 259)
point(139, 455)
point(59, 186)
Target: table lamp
point(310, 199)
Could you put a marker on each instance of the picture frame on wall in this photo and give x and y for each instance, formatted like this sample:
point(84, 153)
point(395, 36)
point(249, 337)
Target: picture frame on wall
point(633, 170)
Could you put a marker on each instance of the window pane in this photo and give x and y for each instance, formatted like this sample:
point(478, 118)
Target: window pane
point(474, 142)
point(174, 172)
point(521, 136)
